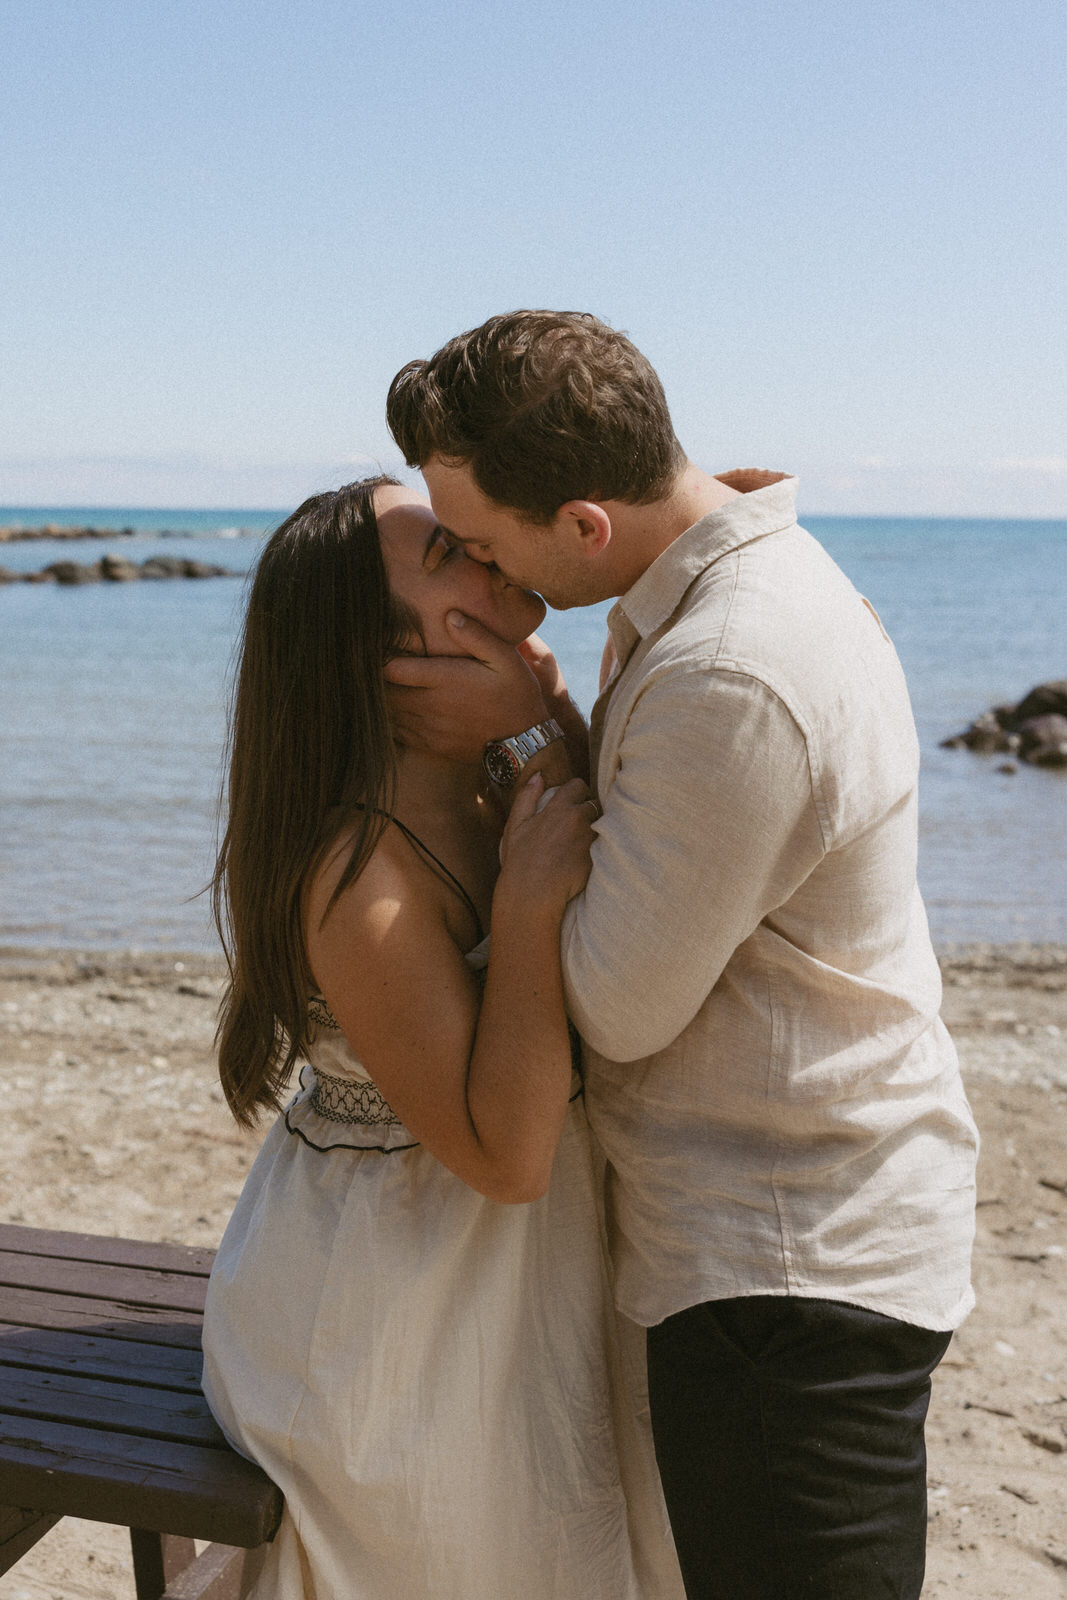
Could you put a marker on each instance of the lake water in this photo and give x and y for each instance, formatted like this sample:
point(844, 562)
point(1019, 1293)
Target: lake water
point(113, 712)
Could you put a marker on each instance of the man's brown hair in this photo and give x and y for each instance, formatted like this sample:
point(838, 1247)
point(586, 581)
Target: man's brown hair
point(543, 407)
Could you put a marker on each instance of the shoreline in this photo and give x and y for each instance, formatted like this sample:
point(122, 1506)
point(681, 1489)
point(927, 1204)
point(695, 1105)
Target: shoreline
point(116, 1124)
point(1022, 953)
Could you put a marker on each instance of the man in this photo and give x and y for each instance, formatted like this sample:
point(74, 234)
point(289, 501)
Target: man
point(791, 1182)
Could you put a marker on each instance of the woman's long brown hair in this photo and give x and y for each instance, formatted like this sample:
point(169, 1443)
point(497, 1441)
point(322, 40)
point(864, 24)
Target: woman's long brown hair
point(310, 751)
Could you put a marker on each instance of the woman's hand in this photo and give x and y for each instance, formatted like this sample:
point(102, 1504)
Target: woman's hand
point(545, 853)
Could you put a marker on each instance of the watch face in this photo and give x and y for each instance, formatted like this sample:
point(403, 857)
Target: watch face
point(501, 765)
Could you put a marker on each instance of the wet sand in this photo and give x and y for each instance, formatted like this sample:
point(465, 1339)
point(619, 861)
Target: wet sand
point(115, 1124)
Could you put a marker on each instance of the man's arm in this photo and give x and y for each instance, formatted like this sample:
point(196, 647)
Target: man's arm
point(708, 826)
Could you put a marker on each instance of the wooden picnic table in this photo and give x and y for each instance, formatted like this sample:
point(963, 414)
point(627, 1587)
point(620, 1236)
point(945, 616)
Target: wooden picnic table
point(102, 1415)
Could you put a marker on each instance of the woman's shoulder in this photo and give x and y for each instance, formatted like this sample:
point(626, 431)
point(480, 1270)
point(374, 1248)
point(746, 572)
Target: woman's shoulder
point(385, 857)
point(393, 897)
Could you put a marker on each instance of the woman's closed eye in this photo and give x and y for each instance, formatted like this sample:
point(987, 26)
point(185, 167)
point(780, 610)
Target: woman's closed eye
point(454, 550)
point(442, 550)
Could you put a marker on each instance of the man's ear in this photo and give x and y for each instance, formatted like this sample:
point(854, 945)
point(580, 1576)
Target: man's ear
point(587, 522)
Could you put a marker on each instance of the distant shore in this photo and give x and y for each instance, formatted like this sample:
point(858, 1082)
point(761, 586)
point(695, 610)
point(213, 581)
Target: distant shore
point(115, 1123)
point(15, 533)
point(53, 530)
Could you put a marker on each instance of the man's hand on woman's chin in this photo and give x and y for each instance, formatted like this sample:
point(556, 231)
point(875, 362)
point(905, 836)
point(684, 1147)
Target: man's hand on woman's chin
point(453, 705)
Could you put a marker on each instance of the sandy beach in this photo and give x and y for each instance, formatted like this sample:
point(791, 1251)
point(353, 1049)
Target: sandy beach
point(115, 1124)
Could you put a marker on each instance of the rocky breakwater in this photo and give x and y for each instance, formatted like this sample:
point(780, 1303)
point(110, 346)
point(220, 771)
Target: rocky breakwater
point(56, 530)
point(1034, 730)
point(116, 569)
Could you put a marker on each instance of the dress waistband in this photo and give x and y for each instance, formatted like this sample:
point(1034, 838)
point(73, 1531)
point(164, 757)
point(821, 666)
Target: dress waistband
point(351, 1100)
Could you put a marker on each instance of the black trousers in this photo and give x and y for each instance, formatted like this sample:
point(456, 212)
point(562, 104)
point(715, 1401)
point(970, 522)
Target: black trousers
point(789, 1436)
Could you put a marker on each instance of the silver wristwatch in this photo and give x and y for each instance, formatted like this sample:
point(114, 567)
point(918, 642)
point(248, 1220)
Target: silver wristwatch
point(504, 759)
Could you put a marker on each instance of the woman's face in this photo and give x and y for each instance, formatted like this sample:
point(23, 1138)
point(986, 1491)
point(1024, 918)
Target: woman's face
point(434, 577)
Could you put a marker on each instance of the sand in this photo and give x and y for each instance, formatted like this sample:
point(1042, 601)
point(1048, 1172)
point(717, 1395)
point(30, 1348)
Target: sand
point(114, 1123)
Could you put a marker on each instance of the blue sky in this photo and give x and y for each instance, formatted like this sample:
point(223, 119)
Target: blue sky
point(838, 230)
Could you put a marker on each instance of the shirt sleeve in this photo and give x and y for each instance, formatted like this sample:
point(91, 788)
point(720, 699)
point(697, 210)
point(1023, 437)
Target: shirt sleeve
point(709, 825)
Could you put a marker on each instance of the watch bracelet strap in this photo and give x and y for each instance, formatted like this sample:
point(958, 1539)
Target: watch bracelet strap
point(531, 740)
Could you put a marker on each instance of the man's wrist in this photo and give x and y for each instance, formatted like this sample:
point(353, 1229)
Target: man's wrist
point(553, 763)
point(576, 734)
point(506, 759)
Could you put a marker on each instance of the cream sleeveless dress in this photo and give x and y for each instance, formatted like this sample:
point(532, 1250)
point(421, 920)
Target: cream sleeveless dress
point(438, 1383)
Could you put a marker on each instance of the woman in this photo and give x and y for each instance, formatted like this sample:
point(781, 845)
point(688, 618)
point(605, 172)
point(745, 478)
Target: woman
point(409, 1324)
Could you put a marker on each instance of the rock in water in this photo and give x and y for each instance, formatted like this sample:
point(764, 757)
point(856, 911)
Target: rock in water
point(1043, 740)
point(1035, 729)
point(74, 572)
point(163, 567)
point(118, 570)
point(1047, 697)
point(202, 569)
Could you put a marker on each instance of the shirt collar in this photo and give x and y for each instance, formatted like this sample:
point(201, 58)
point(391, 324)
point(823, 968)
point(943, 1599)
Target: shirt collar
point(766, 503)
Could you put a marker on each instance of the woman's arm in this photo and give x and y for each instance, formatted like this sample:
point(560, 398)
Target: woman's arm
point(483, 1083)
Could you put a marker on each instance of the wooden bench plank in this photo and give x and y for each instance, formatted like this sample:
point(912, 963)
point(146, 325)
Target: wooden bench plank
point(144, 1483)
point(63, 1350)
point(119, 1407)
point(106, 1318)
point(164, 1291)
point(104, 1248)
point(101, 1414)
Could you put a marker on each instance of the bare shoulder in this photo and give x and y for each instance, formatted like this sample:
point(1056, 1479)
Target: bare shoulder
point(395, 917)
point(387, 885)
point(386, 960)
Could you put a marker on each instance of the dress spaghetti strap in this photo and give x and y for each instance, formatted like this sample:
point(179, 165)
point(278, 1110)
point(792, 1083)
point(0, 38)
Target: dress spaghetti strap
point(451, 876)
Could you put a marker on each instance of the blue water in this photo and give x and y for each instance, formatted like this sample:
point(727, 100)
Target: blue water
point(113, 713)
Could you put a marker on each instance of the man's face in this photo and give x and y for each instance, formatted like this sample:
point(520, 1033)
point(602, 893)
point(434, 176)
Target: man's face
point(433, 577)
point(532, 556)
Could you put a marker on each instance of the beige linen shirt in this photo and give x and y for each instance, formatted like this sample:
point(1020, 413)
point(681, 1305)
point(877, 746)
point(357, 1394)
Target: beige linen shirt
point(750, 965)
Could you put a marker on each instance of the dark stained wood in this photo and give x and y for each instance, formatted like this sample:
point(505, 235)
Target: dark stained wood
point(119, 1407)
point(157, 1559)
point(103, 1248)
point(146, 1483)
point(177, 1554)
point(102, 1416)
point(219, 1573)
point(31, 1308)
point(134, 1286)
point(62, 1350)
point(19, 1532)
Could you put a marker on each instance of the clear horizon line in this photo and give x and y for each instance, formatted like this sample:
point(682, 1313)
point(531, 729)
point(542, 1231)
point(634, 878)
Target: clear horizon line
point(283, 511)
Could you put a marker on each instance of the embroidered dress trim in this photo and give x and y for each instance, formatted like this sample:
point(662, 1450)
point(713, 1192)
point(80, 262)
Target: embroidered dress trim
point(321, 1015)
point(349, 1100)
